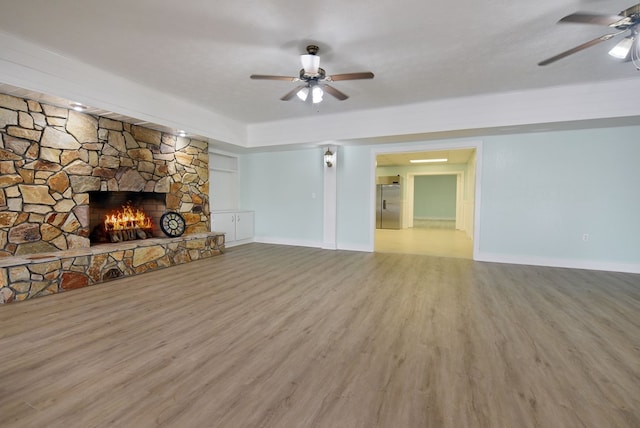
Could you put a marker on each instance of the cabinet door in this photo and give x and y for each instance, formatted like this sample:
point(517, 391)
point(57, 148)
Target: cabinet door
point(244, 225)
point(225, 223)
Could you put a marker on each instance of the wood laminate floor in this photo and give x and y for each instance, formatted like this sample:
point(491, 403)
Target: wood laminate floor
point(276, 336)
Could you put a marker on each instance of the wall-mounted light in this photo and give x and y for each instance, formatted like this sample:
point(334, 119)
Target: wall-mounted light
point(328, 158)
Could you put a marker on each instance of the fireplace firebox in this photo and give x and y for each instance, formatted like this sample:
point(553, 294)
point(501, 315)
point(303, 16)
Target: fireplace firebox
point(125, 216)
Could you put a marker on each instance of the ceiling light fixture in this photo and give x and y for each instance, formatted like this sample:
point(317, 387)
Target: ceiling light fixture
point(622, 49)
point(78, 106)
point(310, 62)
point(303, 93)
point(316, 94)
point(428, 160)
point(182, 133)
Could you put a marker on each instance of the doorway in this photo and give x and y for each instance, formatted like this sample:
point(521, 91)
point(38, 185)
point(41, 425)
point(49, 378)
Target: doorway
point(438, 202)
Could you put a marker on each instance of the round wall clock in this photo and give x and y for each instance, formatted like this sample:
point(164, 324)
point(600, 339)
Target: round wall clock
point(172, 224)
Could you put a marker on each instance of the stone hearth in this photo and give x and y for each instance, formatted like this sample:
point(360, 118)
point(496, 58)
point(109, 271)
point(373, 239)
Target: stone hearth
point(43, 274)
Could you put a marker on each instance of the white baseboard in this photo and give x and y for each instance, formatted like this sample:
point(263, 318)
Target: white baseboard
point(479, 256)
point(562, 263)
point(313, 244)
point(236, 243)
point(356, 247)
point(292, 242)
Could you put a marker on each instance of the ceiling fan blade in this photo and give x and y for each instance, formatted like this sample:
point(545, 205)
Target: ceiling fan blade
point(336, 93)
point(292, 93)
point(578, 48)
point(266, 77)
point(633, 10)
point(350, 76)
point(592, 18)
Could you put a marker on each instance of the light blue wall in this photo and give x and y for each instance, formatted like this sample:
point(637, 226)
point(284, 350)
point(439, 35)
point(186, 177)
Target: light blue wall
point(355, 200)
point(542, 192)
point(279, 187)
point(539, 194)
point(434, 197)
point(404, 171)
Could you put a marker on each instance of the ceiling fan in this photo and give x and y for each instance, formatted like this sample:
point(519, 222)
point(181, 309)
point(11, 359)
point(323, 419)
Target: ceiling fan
point(315, 80)
point(627, 20)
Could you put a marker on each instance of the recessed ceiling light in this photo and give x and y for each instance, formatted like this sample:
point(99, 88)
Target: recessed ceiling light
point(428, 160)
point(78, 106)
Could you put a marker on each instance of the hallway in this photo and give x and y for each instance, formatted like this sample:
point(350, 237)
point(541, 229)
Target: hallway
point(432, 241)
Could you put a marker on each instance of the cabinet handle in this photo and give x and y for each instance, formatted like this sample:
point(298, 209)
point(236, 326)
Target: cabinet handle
point(238, 219)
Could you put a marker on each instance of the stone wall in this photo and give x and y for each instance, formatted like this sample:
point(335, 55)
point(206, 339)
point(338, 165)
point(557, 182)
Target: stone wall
point(51, 157)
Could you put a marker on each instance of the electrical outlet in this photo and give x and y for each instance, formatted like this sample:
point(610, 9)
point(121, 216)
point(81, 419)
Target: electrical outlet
point(585, 237)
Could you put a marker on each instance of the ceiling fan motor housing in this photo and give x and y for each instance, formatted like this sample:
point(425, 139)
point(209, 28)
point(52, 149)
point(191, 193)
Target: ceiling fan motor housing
point(308, 76)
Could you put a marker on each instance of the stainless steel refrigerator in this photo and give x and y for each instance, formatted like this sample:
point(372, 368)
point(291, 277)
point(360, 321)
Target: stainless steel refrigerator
point(388, 206)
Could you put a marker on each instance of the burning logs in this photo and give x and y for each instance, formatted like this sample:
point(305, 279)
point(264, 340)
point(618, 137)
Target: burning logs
point(128, 234)
point(127, 223)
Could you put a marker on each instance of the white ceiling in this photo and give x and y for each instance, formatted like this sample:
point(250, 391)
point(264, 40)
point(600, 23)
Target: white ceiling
point(204, 51)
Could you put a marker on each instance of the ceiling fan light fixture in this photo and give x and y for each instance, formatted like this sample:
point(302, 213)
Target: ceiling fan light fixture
point(303, 93)
point(622, 49)
point(316, 94)
point(310, 64)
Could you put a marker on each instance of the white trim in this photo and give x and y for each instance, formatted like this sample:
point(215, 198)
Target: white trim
point(535, 108)
point(355, 247)
point(427, 146)
point(236, 243)
point(286, 241)
point(561, 263)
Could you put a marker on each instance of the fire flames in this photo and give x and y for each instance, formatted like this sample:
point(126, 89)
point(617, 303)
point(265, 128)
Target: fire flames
point(127, 218)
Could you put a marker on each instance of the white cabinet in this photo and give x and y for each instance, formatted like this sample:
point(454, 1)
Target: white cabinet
point(236, 225)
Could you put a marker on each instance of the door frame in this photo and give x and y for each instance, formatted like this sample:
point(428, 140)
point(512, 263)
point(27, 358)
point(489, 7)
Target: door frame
point(427, 147)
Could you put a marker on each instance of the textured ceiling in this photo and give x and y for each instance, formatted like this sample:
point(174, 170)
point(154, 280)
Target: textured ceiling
point(204, 51)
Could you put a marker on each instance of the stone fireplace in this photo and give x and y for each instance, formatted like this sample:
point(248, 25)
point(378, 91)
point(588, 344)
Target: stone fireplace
point(56, 162)
point(52, 159)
